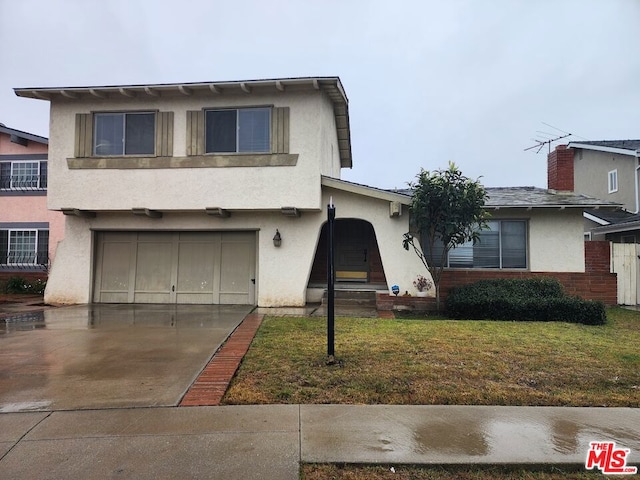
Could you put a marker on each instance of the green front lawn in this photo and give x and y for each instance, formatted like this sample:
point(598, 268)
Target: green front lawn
point(404, 472)
point(429, 362)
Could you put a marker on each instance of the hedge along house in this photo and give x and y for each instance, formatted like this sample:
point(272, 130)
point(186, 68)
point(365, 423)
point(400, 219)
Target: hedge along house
point(213, 193)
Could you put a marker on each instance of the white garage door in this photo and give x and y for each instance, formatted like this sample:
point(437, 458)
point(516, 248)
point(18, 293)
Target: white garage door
point(175, 267)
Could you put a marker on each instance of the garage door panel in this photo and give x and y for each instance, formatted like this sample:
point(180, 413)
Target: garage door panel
point(153, 269)
point(115, 272)
point(170, 267)
point(152, 297)
point(196, 267)
point(234, 269)
point(196, 298)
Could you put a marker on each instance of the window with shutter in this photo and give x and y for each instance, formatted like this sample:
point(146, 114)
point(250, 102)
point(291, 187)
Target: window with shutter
point(23, 175)
point(257, 130)
point(124, 134)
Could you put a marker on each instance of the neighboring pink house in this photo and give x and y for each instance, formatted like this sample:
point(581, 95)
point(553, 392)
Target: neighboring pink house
point(29, 232)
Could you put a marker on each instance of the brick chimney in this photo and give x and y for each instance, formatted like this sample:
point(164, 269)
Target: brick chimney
point(560, 169)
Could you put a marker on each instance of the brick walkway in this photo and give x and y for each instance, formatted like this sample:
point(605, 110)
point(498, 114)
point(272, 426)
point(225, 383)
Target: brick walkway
point(212, 383)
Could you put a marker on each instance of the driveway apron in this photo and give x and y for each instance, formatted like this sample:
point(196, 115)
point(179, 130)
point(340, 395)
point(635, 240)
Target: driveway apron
point(107, 355)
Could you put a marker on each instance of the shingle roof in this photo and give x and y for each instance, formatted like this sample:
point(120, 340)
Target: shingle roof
point(615, 217)
point(623, 144)
point(540, 197)
point(534, 197)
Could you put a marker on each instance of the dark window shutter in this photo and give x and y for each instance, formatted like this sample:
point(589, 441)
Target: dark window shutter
point(4, 246)
point(5, 175)
point(195, 132)
point(280, 130)
point(43, 175)
point(43, 248)
point(84, 135)
point(164, 134)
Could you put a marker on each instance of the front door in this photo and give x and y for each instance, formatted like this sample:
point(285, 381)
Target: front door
point(352, 251)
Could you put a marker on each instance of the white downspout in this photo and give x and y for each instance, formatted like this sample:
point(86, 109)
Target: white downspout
point(636, 182)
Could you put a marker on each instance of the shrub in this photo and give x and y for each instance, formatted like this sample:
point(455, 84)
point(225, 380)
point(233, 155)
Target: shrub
point(534, 299)
point(22, 285)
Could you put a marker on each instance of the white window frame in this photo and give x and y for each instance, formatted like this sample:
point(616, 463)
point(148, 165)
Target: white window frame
point(35, 251)
point(613, 181)
point(500, 247)
point(13, 182)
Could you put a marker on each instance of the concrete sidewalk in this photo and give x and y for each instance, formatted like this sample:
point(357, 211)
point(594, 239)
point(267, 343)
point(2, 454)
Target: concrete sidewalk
point(270, 441)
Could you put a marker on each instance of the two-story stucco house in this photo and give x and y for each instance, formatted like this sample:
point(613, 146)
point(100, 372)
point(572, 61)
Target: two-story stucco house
point(29, 232)
point(213, 193)
point(216, 193)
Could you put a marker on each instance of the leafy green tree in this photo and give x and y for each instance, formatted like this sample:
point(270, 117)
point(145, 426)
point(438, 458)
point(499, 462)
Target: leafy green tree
point(447, 210)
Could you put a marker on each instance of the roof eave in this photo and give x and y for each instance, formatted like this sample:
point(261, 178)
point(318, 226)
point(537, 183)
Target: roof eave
point(27, 136)
point(365, 190)
point(599, 148)
point(332, 86)
point(617, 227)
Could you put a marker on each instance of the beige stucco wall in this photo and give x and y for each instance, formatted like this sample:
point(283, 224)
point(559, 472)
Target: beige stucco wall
point(312, 137)
point(282, 273)
point(591, 176)
point(556, 241)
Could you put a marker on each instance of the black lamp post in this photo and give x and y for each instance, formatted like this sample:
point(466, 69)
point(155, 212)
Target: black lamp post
point(331, 217)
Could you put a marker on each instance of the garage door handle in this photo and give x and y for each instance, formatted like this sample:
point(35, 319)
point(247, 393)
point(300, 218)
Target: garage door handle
point(173, 288)
point(253, 280)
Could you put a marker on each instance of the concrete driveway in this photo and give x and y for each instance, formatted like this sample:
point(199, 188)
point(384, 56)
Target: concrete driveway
point(108, 356)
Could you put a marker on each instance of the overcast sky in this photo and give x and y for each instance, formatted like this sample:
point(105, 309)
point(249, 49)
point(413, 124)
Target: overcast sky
point(428, 81)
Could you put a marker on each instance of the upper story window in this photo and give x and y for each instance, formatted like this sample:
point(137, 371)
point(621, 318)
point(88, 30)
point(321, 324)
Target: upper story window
point(116, 134)
point(613, 181)
point(255, 132)
point(124, 133)
point(23, 175)
point(503, 245)
point(244, 130)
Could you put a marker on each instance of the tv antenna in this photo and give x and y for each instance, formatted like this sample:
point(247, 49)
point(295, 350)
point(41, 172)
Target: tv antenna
point(546, 138)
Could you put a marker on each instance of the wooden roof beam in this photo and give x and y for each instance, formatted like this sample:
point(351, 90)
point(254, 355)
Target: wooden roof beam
point(125, 92)
point(68, 94)
point(97, 93)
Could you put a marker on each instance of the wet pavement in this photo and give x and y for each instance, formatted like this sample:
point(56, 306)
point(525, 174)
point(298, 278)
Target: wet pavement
point(90, 392)
point(108, 356)
point(271, 441)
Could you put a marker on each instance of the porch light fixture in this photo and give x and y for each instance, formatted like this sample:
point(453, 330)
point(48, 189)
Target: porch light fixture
point(277, 239)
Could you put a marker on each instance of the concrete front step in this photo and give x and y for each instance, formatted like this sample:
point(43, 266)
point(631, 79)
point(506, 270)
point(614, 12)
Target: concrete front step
point(352, 298)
